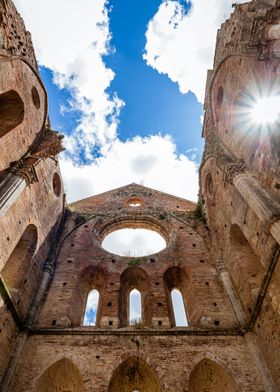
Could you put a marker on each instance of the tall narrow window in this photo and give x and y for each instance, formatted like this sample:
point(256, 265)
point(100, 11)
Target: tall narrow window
point(91, 309)
point(135, 307)
point(179, 308)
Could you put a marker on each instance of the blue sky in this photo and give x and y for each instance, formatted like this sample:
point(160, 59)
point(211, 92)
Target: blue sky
point(126, 84)
point(153, 103)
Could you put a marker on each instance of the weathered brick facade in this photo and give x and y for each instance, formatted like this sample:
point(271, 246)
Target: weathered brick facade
point(222, 254)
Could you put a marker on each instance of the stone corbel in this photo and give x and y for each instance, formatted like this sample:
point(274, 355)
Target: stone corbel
point(50, 145)
point(25, 168)
point(232, 169)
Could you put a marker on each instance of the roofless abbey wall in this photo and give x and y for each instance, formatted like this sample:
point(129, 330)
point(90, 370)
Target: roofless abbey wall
point(221, 255)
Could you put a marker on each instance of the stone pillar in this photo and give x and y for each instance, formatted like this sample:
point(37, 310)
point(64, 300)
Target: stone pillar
point(260, 363)
point(236, 305)
point(249, 336)
point(260, 201)
point(10, 189)
point(273, 32)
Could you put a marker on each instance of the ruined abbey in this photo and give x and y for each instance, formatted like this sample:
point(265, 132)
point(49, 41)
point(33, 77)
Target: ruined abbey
point(222, 255)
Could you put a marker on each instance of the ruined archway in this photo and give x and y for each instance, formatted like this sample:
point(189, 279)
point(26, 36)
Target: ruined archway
point(211, 377)
point(134, 374)
point(18, 263)
point(62, 376)
point(245, 268)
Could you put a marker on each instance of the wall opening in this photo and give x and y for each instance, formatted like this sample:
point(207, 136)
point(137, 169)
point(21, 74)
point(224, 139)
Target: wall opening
point(35, 98)
point(61, 376)
point(19, 261)
point(134, 374)
point(178, 288)
point(135, 307)
point(134, 296)
point(56, 184)
point(209, 376)
point(90, 315)
point(135, 242)
point(179, 308)
point(89, 282)
point(245, 268)
point(11, 111)
point(209, 184)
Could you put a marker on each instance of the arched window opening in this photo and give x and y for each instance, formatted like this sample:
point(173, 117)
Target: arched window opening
point(135, 307)
point(90, 281)
point(134, 299)
point(91, 310)
point(61, 376)
point(179, 308)
point(209, 184)
point(181, 297)
point(18, 263)
point(209, 376)
point(136, 242)
point(134, 375)
point(11, 111)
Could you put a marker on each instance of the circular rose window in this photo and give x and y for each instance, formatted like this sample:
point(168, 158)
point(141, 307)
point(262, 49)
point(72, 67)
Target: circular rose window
point(135, 202)
point(134, 242)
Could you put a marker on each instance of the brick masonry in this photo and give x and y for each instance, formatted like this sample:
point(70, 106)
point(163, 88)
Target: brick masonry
point(223, 253)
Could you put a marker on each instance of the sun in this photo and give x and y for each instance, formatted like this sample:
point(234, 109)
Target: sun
point(266, 110)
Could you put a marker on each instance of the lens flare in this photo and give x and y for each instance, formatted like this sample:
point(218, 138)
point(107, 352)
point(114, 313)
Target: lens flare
point(266, 110)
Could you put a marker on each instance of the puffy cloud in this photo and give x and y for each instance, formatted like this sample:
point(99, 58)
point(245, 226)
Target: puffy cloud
point(181, 44)
point(71, 37)
point(120, 164)
point(72, 42)
point(134, 242)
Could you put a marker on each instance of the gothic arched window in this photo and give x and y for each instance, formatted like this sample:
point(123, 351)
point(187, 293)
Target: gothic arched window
point(90, 315)
point(135, 306)
point(179, 308)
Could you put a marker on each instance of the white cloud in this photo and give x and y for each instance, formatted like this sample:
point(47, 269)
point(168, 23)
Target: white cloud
point(182, 45)
point(120, 164)
point(70, 38)
point(134, 242)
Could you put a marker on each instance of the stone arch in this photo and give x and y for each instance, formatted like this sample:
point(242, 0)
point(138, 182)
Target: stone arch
point(245, 268)
point(11, 111)
point(88, 279)
point(208, 376)
point(63, 375)
point(176, 278)
point(19, 261)
point(134, 278)
point(134, 374)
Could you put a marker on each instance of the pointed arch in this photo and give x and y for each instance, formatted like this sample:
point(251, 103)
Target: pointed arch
point(135, 306)
point(179, 309)
point(16, 266)
point(245, 268)
point(91, 310)
point(176, 280)
point(134, 278)
point(208, 376)
point(63, 375)
point(134, 374)
point(89, 279)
